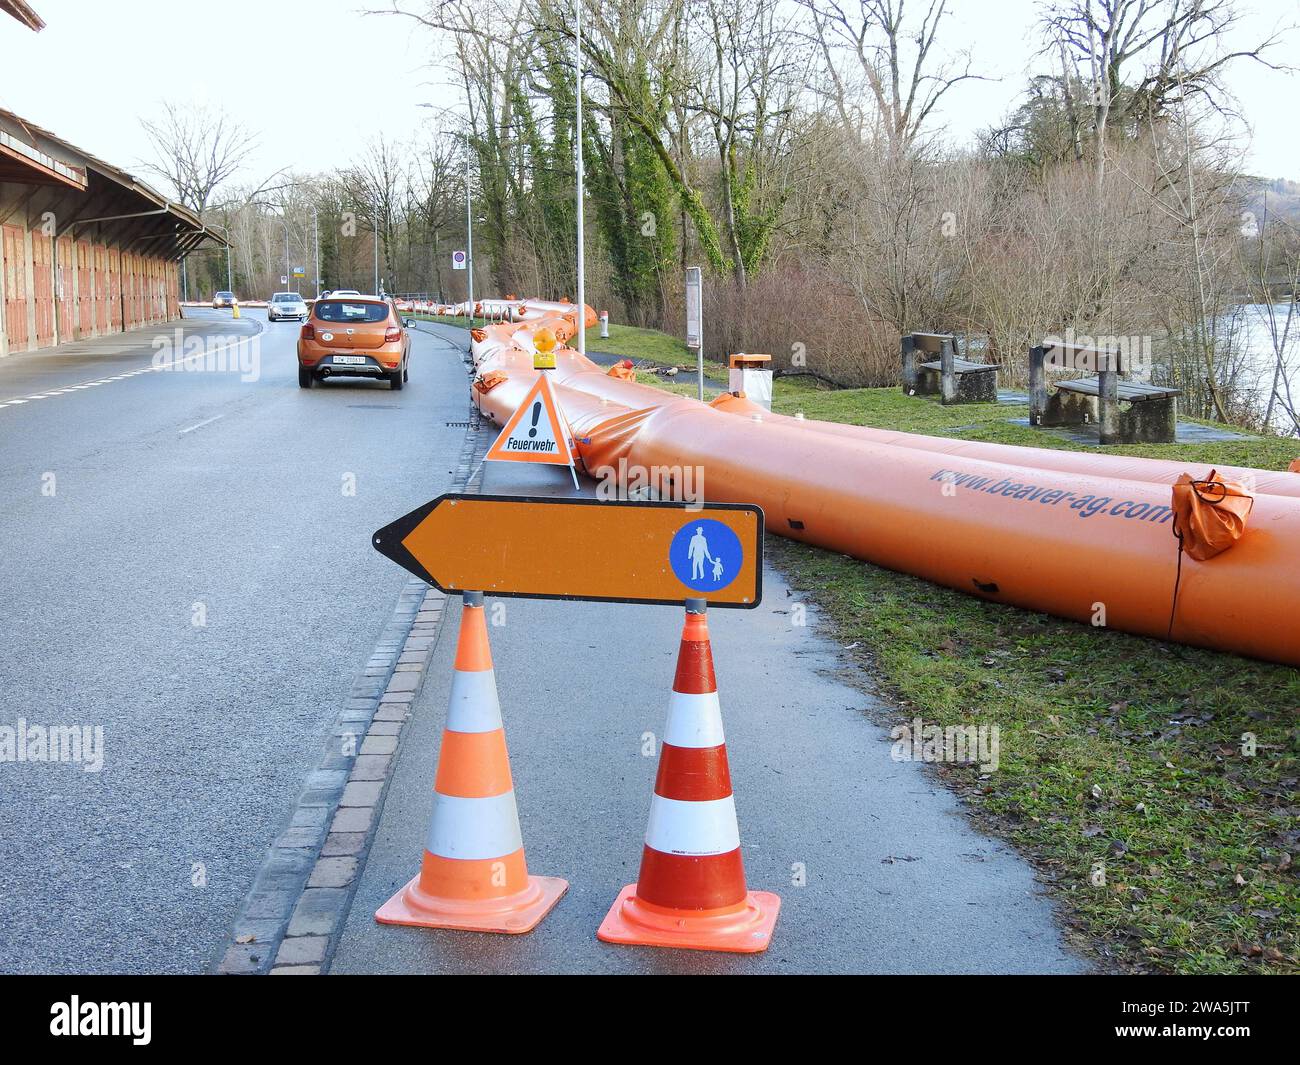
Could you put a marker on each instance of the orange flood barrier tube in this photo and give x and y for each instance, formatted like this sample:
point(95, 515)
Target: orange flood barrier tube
point(1081, 536)
point(1125, 467)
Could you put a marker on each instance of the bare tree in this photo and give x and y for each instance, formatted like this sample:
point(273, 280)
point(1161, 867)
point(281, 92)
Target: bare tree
point(905, 78)
point(1141, 57)
point(376, 184)
point(196, 150)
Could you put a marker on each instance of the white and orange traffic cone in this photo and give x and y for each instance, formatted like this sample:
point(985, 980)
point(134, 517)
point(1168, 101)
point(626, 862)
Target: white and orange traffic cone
point(691, 892)
point(474, 876)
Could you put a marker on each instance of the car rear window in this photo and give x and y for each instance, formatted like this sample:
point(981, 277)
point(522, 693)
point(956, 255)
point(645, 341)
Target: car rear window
point(351, 311)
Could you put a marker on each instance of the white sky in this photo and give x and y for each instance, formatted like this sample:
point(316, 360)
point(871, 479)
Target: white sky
point(311, 77)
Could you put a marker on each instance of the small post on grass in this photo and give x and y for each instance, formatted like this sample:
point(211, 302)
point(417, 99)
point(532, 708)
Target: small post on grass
point(695, 322)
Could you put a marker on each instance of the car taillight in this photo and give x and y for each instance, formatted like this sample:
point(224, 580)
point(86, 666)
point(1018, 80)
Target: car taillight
point(392, 335)
point(308, 332)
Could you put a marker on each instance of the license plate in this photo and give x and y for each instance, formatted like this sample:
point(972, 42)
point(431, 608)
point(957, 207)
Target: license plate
point(351, 360)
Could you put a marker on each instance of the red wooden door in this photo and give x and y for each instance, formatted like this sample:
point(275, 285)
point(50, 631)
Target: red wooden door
point(101, 288)
point(64, 274)
point(85, 292)
point(127, 293)
point(15, 278)
point(115, 290)
point(137, 292)
point(43, 289)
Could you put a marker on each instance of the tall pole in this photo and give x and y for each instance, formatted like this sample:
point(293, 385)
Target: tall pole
point(582, 281)
point(376, 228)
point(288, 270)
point(469, 236)
point(230, 284)
point(315, 227)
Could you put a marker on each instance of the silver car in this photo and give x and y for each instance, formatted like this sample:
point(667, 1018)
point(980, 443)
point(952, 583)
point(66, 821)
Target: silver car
point(286, 305)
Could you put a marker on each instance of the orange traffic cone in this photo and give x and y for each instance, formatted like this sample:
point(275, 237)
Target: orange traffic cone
point(474, 875)
point(691, 892)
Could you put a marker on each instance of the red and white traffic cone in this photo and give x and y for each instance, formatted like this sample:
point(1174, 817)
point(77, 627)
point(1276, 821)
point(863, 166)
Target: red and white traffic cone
point(691, 892)
point(474, 876)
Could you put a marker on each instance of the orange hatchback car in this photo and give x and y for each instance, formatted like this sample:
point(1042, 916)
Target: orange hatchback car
point(354, 336)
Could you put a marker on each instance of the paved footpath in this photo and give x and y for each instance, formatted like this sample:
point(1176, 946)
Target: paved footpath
point(896, 879)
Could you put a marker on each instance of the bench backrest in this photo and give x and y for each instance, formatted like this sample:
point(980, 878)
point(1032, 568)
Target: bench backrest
point(1086, 360)
point(930, 343)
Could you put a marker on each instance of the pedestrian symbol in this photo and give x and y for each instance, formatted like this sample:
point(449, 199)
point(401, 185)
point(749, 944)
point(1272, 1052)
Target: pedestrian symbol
point(706, 555)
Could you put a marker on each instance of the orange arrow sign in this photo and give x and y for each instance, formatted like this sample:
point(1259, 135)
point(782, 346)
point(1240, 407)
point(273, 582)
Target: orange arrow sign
point(549, 548)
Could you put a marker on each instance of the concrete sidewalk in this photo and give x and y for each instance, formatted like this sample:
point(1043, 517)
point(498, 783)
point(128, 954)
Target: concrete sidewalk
point(896, 879)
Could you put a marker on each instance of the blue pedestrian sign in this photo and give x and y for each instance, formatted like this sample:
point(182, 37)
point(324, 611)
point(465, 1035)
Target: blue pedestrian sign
point(706, 555)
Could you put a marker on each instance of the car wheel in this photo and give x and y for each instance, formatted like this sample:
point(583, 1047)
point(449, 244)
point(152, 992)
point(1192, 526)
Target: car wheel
point(395, 381)
point(306, 378)
point(406, 371)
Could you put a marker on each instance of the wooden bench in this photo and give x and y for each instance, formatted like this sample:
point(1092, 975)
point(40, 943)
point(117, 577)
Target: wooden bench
point(1149, 414)
point(952, 379)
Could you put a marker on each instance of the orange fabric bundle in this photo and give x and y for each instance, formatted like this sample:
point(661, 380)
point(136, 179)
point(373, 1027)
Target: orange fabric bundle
point(483, 385)
point(1209, 515)
point(1295, 466)
point(622, 370)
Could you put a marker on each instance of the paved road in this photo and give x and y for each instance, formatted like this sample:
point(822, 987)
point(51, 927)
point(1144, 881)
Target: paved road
point(896, 879)
point(172, 489)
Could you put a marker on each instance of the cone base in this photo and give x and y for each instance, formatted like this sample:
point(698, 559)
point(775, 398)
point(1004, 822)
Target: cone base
point(633, 922)
point(513, 914)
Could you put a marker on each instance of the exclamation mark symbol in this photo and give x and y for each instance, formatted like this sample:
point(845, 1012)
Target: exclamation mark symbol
point(537, 413)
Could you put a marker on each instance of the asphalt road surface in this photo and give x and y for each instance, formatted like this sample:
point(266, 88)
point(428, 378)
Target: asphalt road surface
point(187, 566)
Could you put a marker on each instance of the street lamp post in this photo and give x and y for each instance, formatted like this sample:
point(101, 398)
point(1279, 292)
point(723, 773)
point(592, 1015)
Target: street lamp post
point(582, 284)
point(315, 228)
point(469, 234)
point(230, 283)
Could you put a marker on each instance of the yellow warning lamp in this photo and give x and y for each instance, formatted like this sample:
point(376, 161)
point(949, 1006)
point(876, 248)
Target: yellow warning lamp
point(544, 344)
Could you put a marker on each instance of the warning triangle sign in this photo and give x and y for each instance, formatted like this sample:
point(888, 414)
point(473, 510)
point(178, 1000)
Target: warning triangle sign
point(536, 432)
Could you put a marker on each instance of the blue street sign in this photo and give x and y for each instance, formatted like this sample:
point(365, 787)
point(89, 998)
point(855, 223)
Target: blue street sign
point(706, 555)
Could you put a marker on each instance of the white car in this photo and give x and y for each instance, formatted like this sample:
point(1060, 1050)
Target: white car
point(286, 305)
point(344, 292)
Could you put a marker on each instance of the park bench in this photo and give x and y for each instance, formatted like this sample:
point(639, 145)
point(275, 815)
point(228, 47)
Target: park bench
point(1127, 412)
point(952, 379)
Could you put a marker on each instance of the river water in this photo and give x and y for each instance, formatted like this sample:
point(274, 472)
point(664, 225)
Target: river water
point(1260, 362)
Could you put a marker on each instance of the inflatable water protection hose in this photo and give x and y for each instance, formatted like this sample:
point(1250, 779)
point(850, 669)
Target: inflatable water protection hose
point(1081, 536)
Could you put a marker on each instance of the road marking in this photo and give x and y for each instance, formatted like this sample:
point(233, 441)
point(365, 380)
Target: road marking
point(200, 425)
point(143, 369)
